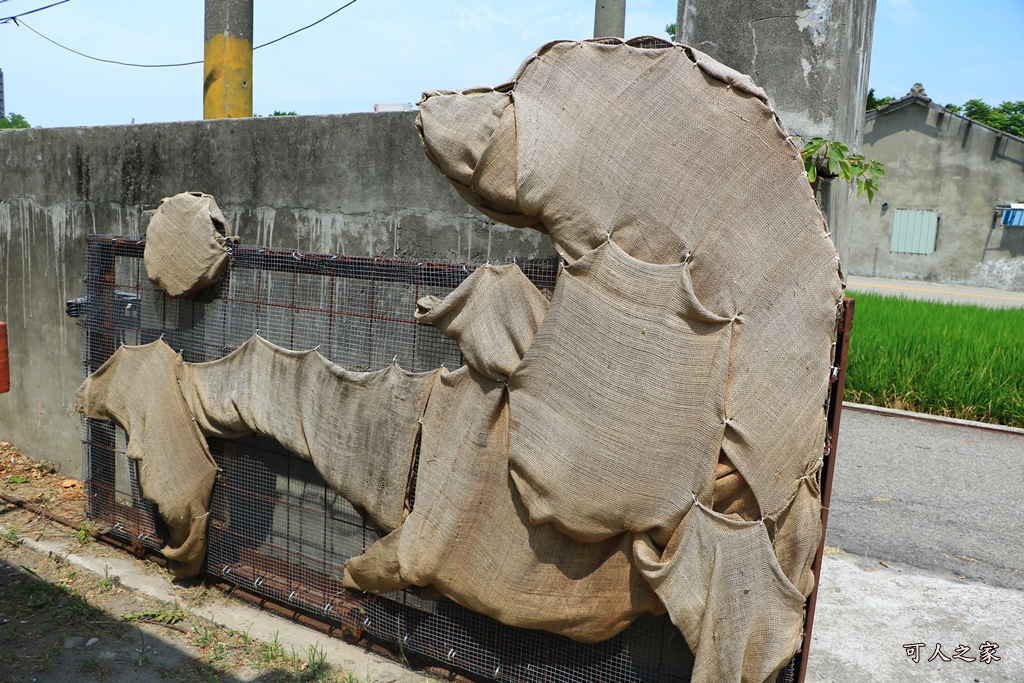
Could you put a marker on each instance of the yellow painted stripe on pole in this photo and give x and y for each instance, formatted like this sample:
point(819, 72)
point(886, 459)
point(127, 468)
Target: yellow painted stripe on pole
point(227, 81)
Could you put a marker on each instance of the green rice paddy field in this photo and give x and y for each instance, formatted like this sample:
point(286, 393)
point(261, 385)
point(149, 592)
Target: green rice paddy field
point(952, 360)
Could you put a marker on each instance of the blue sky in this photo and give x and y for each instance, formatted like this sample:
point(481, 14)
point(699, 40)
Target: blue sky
point(391, 50)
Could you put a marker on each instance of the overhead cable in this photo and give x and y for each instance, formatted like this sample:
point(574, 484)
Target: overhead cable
point(15, 17)
point(159, 66)
point(300, 30)
point(98, 59)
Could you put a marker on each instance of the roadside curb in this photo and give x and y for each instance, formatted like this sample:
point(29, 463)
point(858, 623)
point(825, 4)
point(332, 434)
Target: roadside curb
point(924, 417)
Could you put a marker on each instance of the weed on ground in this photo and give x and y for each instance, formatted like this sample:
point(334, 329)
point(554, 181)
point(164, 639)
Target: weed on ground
point(59, 623)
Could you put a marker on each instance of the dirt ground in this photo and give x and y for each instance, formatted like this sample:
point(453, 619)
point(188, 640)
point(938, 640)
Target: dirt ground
point(59, 623)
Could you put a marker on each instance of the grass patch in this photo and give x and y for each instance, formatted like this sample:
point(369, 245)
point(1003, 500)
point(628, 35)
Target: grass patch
point(84, 533)
point(952, 360)
point(169, 615)
point(94, 667)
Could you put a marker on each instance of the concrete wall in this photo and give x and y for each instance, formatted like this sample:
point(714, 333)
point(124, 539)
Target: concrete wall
point(940, 161)
point(811, 57)
point(356, 184)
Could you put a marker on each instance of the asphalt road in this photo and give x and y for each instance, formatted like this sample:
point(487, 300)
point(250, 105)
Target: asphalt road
point(930, 518)
point(940, 497)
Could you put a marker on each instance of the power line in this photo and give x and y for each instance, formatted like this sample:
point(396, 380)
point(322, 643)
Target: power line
point(14, 17)
point(110, 61)
point(159, 66)
point(98, 59)
point(300, 30)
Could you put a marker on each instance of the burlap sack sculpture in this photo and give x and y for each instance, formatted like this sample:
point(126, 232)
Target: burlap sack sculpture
point(493, 315)
point(186, 244)
point(649, 442)
point(676, 388)
point(138, 389)
point(469, 536)
point(359, 429)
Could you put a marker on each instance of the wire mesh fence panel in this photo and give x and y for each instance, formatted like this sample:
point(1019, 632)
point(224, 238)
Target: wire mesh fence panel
point(275, 527)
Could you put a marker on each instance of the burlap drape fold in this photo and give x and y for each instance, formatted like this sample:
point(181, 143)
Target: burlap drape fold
point(469, 536)
point(724, 589)
point(138, 389)
point(493, 315)
point(358, 428)
point(617, 410)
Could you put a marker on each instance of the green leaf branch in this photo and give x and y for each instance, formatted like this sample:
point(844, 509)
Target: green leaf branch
point(824, 158)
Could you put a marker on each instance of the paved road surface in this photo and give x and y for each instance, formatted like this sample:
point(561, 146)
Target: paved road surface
point(868, 611)
point(937, 496)
point(916, 289)
point(930, 518)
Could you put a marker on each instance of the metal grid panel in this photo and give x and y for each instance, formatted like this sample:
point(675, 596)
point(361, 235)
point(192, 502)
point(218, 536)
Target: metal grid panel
point(275, 528)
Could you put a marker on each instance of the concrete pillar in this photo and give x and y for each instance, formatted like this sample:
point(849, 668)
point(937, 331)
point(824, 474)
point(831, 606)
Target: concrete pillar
point(610, 19)
point(812, 58)
point(227, 56)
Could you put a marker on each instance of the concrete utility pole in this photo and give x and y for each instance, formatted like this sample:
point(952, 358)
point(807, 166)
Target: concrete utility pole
point(610, 19)
point(227, 57)
point(2, 114)
point(812, 58)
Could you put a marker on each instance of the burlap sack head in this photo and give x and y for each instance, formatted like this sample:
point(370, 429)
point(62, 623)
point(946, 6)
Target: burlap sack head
point(640, 139)
point(185, 244)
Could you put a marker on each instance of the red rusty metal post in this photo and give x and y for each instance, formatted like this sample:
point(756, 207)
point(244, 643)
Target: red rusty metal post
point(5, 365)
point(828, 467)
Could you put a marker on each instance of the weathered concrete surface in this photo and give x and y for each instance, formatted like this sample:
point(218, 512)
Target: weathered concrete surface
point(937, 160)
point(810, 56)
point(357, 184)
point(868, 611)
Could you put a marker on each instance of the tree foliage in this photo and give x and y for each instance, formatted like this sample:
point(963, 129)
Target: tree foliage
point(831, 158)
point(13, 120)
point(670, 29)
point(1007, 117)
point(877, 102)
